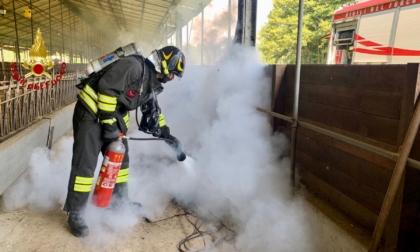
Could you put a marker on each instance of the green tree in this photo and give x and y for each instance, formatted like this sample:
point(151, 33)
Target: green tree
point(278, 37)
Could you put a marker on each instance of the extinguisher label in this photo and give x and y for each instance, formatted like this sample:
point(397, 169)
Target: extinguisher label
point(108, 183)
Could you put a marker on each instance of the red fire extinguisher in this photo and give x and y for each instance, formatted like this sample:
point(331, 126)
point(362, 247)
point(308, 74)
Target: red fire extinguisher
point(111, 165)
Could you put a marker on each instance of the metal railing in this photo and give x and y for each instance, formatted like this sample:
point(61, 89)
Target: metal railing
point(20, 106)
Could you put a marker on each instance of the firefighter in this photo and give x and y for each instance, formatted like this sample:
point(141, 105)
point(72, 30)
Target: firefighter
point(102, 112)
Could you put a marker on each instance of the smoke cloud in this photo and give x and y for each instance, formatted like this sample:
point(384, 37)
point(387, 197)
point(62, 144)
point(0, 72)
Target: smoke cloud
point(233, 167)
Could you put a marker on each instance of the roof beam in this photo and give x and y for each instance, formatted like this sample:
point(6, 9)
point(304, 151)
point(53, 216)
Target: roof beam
point(104, 8)
point(142, 16)
point(161, 21)
point(122, 14)
point(115, 15)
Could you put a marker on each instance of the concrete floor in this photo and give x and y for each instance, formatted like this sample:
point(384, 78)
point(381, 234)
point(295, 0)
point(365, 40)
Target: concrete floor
point(28, 230)
point(23, 230)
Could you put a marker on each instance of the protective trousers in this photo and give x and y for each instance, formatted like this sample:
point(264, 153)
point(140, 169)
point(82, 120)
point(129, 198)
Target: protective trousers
point(88, 143)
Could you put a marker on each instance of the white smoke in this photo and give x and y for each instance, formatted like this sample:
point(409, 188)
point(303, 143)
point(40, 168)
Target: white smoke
point(233, 167)
point(237, 172)
point(43, 186)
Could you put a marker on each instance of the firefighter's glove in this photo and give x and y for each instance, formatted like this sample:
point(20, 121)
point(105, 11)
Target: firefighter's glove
point(110, 130)
point(173, 142)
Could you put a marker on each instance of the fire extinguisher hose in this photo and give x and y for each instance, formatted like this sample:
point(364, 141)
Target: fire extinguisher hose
point(147, 139)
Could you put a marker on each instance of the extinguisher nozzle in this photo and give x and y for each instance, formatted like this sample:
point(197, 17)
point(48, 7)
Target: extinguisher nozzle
point(181, 156)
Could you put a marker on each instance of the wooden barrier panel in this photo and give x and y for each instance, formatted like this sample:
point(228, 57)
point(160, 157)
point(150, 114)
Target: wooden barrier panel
point(370, 103)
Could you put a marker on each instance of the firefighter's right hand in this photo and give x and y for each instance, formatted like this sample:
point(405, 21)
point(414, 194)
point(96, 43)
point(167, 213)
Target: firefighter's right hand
point(110, 132)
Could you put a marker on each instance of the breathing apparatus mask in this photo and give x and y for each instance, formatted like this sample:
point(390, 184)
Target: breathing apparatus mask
point(150, 118)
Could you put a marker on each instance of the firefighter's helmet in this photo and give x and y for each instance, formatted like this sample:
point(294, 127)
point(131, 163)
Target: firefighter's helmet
point(168, 60)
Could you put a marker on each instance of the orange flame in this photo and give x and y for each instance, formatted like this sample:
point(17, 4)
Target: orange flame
point(38, 51)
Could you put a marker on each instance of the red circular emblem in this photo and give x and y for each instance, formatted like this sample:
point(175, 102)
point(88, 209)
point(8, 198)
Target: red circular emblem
point(38, 69)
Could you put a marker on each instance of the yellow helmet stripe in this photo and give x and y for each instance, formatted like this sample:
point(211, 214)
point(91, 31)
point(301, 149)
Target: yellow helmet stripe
point(179, 66)
point(165, 67)
point(167, 57)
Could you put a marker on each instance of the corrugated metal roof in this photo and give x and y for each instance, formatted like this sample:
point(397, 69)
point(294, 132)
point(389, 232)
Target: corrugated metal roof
point(75, 24)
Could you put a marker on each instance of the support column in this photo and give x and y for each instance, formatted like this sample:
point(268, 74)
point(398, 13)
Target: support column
point(178, 28)
point(2, 57)
point(71, 41)
point(49, 17)
point(17, 39)
point(202, 33)
point(188, 38)
point(62, 32)
point(170, 23)
point(75, 38)
point(32, 25)
point(90, 44)
point(229, 20)
point(83, 42)
point(164, 35)
point(246, 28)
point(296, 94)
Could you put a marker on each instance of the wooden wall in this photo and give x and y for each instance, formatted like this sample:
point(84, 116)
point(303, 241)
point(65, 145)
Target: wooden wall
point(370, 103)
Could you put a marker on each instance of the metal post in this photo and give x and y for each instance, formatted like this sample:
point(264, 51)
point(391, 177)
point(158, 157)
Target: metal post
point(17, 39)
point(62, 32)
point(296, 95)
point(249, 22)
point(83, 42)
point(178, 27)
point(87, 43)
point(202, 33)
point(165, 35)
point(90, 45)
point(49, 16)
point(71, 42)
point(394, 184)
point(32, 25)
point(75, 36)
point(170, 23)
point(188, 39)
point(229, 20)
point(2, 58)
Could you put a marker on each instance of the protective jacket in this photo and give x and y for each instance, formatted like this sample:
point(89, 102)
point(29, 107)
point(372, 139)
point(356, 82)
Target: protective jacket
point(129, 83)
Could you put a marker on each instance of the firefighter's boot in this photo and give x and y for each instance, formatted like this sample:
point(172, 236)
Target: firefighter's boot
point(77, 224)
